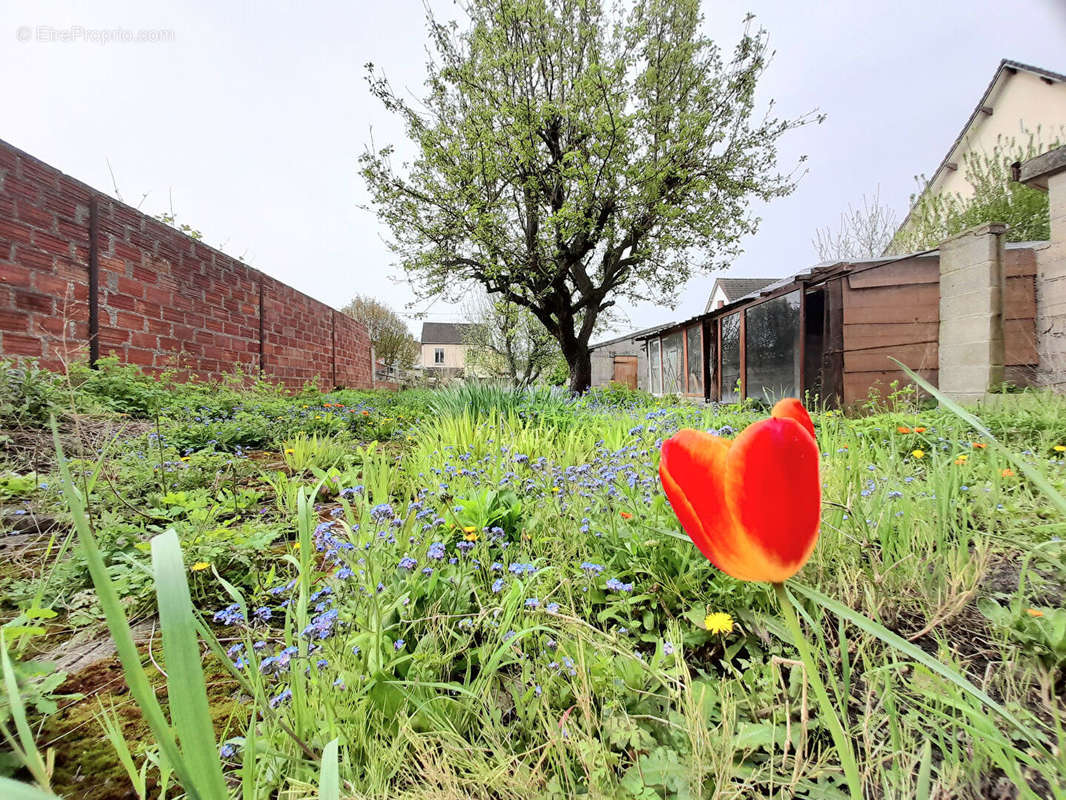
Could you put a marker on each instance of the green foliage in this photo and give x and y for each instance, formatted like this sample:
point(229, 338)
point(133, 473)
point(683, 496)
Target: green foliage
point(568, 154)
point(508, 342)
point(391, 339)
point(517, 608)
point(119, 387)
point(996, 198)
point(27, 395)
point(304, 452)
point(13, 485)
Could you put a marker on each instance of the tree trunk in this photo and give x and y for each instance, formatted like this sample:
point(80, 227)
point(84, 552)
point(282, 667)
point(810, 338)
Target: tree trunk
point(579, 359)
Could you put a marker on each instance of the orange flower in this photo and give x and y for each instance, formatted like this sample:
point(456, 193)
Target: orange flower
point(978, 445)
point(626, 515)
point(1034, 612)
point(1007, 473)
point(752, 505)
point(903, 429)
point(919, 430)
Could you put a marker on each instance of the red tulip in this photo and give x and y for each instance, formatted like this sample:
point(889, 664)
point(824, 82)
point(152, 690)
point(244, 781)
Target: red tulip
point(752, 505)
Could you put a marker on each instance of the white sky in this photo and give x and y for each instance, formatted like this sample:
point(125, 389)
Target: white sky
point(253, 116)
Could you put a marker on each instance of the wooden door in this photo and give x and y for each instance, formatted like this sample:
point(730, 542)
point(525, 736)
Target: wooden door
point(625, 371)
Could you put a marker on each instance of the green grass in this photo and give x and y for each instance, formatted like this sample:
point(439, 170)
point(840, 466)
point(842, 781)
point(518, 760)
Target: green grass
point(563, 653)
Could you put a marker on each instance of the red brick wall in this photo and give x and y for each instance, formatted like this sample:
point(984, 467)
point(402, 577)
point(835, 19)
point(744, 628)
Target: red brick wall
point(164, 300)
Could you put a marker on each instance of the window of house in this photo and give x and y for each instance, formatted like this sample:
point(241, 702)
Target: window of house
point(771, 348)
point(655, 376)
point(730, 358)
point(694, 359)
point(673, 368)
point(438, 355)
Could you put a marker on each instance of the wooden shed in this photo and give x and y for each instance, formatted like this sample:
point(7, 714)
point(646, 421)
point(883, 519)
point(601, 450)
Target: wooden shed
point(829, 332)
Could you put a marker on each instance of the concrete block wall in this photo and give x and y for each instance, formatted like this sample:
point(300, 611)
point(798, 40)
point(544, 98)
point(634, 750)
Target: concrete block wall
point(972, 290)
point(164, 301)
point(1051, 290)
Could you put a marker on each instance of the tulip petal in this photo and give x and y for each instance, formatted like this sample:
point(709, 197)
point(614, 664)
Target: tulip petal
point(692, 470)
point(791, 408)
point(773, 493)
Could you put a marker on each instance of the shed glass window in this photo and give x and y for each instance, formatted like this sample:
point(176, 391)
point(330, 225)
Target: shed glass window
point(694, 359)
point(771, 348)
point(730, 358)
point(438, 355)
point(673, 368)
point(655, 377)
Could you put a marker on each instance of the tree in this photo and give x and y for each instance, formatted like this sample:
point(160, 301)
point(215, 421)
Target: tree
point(863, 233)
point(567, 157)
point(507, 341)
point(392, 341)
point(996, 198)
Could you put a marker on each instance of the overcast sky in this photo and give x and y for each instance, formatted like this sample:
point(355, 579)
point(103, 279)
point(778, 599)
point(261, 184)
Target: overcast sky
point(248, 118)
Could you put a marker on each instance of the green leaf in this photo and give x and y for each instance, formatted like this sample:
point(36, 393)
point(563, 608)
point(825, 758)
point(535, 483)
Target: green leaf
point(186, 687)
point(329, 784)
point(119, 626)
point(40, 613)
point(15, 790)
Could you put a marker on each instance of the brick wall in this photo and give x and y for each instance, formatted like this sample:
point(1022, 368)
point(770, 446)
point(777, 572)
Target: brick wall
point(74, 262)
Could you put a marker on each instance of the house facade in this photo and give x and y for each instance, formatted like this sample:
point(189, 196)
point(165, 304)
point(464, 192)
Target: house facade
point(443, 349)
point(1020, 101)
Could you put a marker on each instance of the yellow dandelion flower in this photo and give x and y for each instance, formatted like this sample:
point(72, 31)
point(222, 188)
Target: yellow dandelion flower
point(200, 565)
point(289, 451)
point(1060, 448)
point(295, 545)
point(556, 489)
point(718, 622)
point(471, 536)
point(960, 460)
point(918, 453)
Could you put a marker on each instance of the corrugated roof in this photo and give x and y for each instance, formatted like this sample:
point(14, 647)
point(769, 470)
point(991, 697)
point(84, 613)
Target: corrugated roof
point(444, 332)
point(628, 336)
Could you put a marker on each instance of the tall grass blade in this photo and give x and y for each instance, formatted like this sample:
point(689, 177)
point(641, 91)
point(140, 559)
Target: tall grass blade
point(185, 676)
point(27, 748)
point(329, 782)
point(922, 791)
point(119, 626)
point(113, 731)
point(915, 653)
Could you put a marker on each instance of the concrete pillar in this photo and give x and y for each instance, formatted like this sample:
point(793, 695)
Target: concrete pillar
point(1048, 172)
point(971, 312)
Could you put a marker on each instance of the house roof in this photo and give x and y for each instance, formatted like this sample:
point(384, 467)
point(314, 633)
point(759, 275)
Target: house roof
point(444, 332)
point(1005, 66)
point(735, 288)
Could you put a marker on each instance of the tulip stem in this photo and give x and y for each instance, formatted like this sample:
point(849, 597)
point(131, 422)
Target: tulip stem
point(840, 739)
